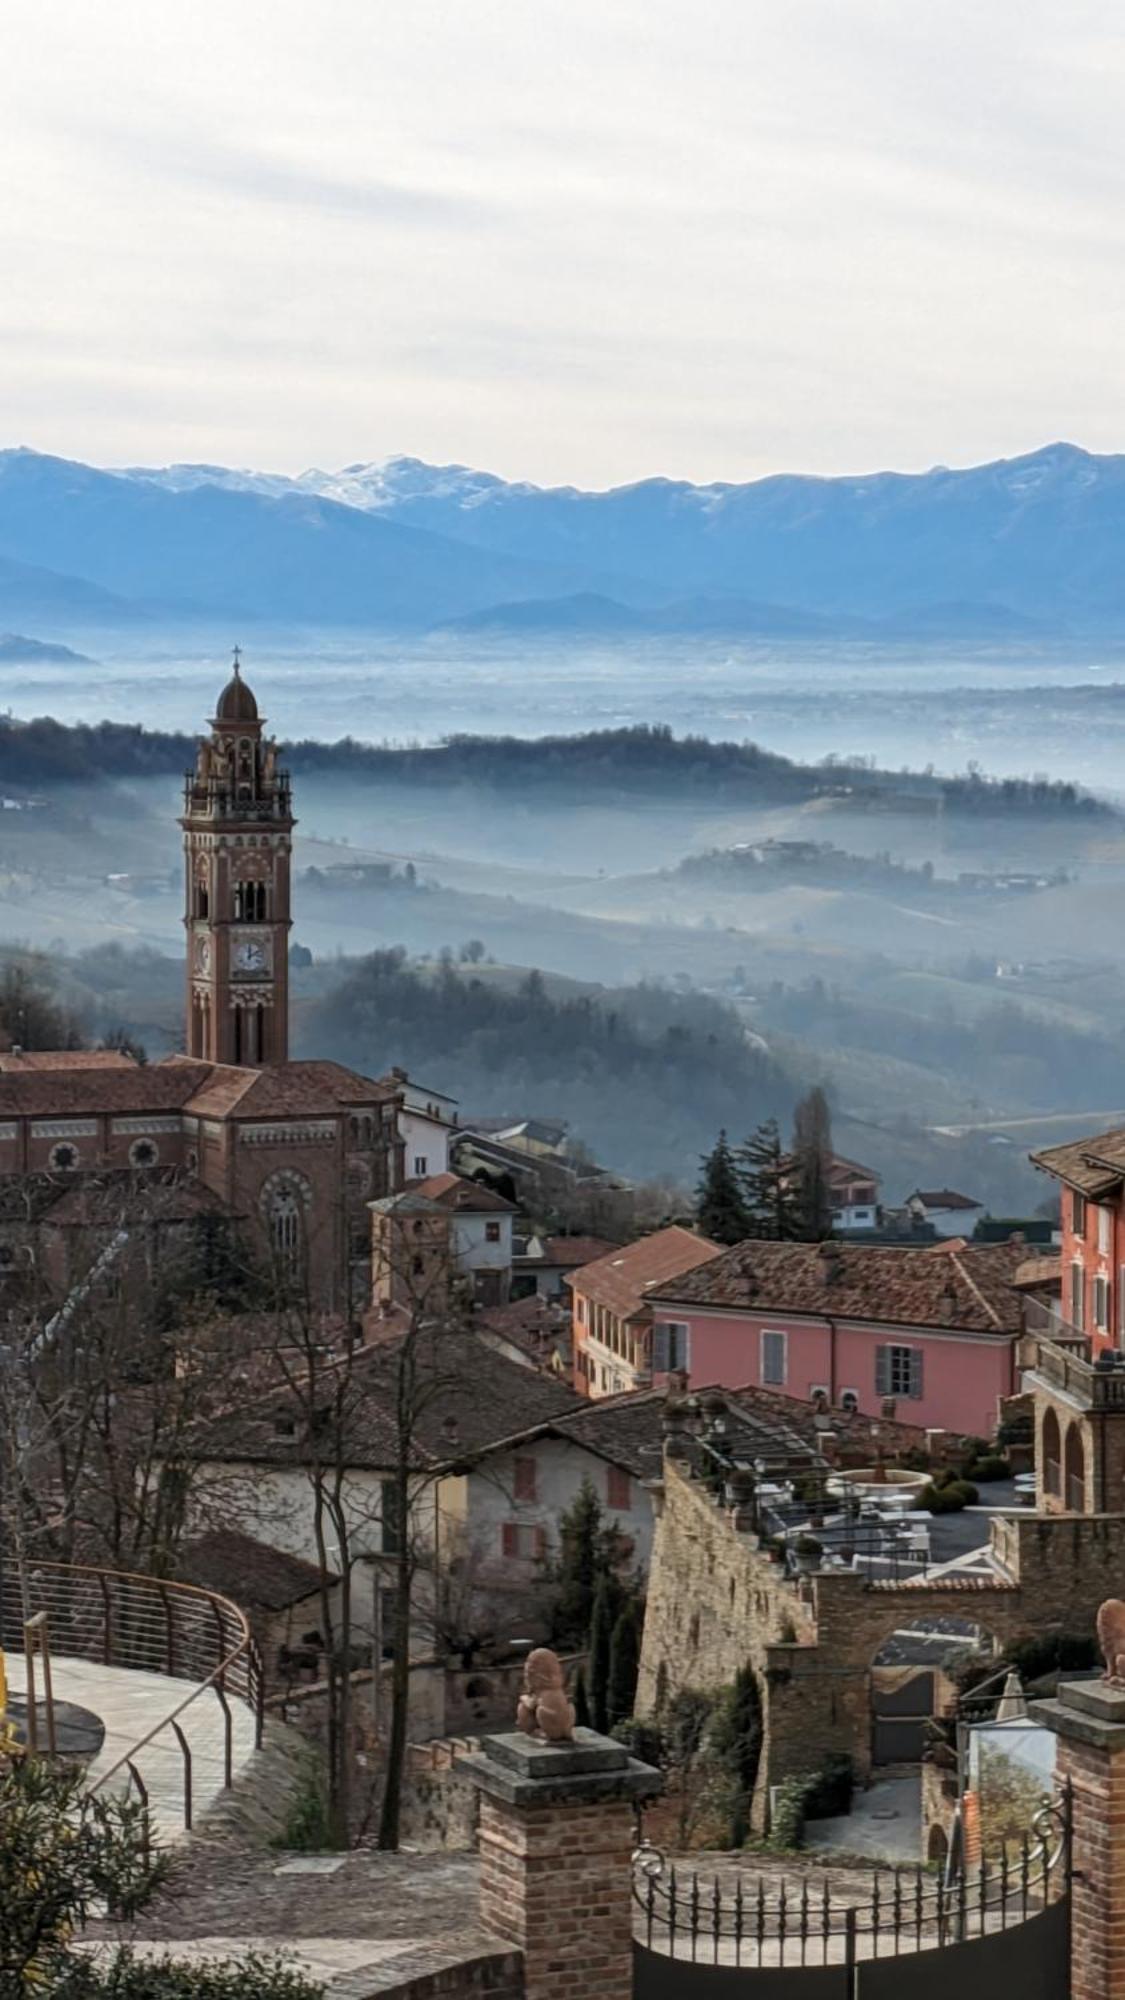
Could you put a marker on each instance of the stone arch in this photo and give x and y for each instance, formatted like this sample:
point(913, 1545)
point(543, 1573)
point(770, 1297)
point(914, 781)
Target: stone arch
point(1074, 1469)
point(1050, 1445)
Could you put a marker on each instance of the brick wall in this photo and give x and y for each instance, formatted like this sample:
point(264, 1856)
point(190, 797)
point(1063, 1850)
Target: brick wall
point(551, 1884)
point(716, 1603)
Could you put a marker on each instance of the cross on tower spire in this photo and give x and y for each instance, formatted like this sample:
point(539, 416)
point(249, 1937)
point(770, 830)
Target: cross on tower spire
point(237, 660)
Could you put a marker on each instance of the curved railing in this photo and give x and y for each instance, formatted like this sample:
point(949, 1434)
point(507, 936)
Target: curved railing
point(146, 1624)
point(746, 1918)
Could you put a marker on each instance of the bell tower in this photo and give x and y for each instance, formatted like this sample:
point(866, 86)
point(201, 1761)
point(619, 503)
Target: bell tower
point(238, 834)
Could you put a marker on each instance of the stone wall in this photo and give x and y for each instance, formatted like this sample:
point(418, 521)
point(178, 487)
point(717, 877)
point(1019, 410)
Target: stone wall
point(716, 1602)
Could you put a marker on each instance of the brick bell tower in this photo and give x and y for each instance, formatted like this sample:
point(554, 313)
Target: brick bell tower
point(238, 834)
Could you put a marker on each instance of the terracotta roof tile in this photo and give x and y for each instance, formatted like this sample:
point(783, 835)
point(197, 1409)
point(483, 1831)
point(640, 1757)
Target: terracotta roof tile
point(465, 1197)
point(568, 1253)
point(65, 1059)
point(86, 1092)
point(965, 1287)
point(623, 1280)
point(253, 1573)
point(1094, 1166)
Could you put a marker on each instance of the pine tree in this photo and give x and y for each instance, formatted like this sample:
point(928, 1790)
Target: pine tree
point(812, 1153)
point(766, 1188)
point(721, 1211)
point(601, 1640)
point(624, 1661)
point(581, 1701)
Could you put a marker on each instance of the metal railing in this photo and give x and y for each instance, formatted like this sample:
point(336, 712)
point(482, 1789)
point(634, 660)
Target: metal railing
point(1047, 1320)
point(150, 1625)
point(752, 1920)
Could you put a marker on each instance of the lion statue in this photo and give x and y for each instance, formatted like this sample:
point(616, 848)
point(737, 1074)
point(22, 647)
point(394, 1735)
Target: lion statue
point(544, 1710)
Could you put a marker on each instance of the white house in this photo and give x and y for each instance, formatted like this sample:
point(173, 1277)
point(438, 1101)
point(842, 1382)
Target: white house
point(480, 1233)
point(500, 1453)
point(950, 1213)
point(426, 1122)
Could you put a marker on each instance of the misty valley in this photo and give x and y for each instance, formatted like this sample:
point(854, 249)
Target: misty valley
point(716, 926)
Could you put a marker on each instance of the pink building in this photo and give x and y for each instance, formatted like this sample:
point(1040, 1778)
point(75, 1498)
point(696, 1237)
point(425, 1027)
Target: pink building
point(934, 1328)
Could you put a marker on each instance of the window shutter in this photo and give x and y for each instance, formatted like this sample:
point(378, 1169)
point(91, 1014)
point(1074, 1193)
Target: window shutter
point(660, 1362)
point(882, 1371)
point(510, 1539)
point(915, 1371)
point(540, 1544)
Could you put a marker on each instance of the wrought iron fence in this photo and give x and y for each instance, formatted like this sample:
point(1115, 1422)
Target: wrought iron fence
point(754, 1921)
point(151, 1625)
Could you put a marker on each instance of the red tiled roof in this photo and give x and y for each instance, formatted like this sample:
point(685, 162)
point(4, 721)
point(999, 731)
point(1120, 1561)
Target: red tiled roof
point(942, 1198)
point(65, 1059)
point(623, 1280)
point(86, 1092)
point(286, 1090)
point(1094, 1166)
point(967, 1287)
point(253, 1573)
point(567, 1253)
point(465, 1197)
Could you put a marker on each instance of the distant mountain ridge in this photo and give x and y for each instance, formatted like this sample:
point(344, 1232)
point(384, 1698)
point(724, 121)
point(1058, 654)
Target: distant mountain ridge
point(1018, 547)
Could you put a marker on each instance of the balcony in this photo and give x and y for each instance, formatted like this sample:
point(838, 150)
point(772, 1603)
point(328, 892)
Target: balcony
point(1063, 1366)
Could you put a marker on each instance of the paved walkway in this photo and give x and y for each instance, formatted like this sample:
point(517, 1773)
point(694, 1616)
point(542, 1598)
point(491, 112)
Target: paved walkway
point(130, 1704)
point(884, 1824)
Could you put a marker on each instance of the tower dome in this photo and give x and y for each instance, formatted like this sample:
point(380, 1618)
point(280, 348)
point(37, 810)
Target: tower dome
point(236, 704)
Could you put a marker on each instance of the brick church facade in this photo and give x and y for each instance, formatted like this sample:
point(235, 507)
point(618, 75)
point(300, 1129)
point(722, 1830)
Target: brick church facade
point(292, 1152)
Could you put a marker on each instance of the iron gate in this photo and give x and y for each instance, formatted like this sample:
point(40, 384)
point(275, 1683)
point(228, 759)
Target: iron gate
point(901, 1716)
point(754, 1938)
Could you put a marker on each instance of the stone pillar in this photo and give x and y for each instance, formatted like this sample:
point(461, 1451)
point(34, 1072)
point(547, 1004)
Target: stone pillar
point(556, 1834)
point(1089, 1720)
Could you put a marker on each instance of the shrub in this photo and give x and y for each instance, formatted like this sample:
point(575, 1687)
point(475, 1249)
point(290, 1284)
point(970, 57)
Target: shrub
point(809, 1545)
point(993, 1467)
point(830, 1791)
point(641, 1739)
point(967, 1495)
point(308, 1823)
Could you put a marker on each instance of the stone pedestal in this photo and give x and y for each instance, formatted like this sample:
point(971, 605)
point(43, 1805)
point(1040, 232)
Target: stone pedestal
point(1089, 1720)
point(556, 1834)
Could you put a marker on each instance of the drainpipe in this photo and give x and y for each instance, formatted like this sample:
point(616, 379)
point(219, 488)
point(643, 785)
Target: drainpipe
point(831, 1362)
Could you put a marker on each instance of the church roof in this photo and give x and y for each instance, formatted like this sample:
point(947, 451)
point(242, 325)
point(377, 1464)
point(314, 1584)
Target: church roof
point(71, 1093)
point(286, 1090)
point(237, 702)
point(22, 1061)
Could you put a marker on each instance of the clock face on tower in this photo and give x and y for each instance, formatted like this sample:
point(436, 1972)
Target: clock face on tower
point(250, 956)
point(203, 955)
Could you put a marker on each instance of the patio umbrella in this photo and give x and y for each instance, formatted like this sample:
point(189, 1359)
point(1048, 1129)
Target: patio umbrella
point(1012, 1706)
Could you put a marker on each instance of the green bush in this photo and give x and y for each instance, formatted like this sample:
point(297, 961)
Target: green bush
point(966, 1492)
point(125, 1977)
point(641, 1739)
point(830, 1792)
point(986, 1469)
point(308, 1824)
point(1055, 1652)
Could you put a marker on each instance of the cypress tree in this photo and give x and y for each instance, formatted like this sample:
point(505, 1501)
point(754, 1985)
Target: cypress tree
point(624, 1661)
point(581, 1701)
point(601, 1639)
point(721, 1211)
point(580, 1563)
point(812, 1152)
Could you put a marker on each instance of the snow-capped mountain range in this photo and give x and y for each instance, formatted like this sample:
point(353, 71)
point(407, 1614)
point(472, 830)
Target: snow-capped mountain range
point(1031, 545)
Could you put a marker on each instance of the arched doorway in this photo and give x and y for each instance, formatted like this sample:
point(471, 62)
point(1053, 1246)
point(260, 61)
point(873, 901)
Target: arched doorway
point(1075, 1470)
point(912, 1682)
point(937, 1846)
point(1051, 1449)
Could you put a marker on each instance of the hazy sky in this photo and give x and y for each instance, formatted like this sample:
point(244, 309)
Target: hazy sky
point(581, 240)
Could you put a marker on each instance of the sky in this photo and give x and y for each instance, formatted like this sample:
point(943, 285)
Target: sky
point(579, 241)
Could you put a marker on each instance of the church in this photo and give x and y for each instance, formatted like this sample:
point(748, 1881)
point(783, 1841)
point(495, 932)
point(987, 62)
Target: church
point(293, 1151)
